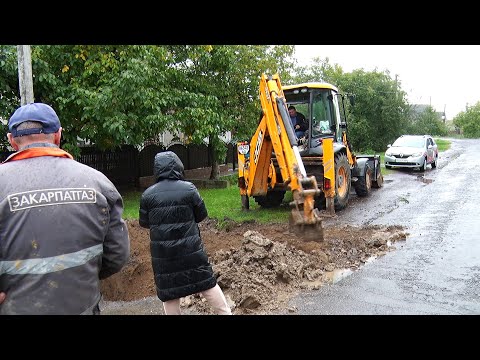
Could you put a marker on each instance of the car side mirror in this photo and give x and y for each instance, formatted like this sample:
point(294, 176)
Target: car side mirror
point(389, 145)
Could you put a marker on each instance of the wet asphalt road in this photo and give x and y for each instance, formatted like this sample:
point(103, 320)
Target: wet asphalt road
point(437, 269)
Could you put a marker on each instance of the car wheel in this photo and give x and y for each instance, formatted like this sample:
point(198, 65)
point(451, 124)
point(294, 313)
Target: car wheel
point(435, 162)
point(424, 166)
point(388, 167)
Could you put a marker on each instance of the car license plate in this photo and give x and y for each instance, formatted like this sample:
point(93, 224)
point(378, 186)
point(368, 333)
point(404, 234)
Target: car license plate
point(402, 160)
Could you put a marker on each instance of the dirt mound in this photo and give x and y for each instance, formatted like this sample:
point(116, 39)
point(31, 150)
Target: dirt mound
point(259, 266)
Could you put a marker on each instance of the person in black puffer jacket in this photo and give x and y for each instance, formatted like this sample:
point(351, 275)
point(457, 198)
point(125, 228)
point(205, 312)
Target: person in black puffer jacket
point(172, 209)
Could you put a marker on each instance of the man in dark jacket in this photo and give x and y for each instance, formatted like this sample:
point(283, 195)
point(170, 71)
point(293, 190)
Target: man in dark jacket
point(61, 226)
point(171, 209)
point(299, 122)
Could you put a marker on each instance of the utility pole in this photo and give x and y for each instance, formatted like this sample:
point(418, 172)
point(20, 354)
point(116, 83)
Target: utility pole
point(25, 77)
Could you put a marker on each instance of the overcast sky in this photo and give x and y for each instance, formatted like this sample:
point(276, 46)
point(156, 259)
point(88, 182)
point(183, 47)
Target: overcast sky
point(444, 76)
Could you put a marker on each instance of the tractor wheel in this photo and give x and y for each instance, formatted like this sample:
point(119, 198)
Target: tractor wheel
point(363, 185)
point(320, 202)
point(272, 199)
point(377, 184)
point(245, 202)
point(343, 179)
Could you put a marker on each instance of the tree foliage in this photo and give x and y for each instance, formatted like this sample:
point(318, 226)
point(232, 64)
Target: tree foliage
point(225, 78)
point(468, 121)
point(380, 113)
point(427, 122)
point(9, 95)
point(320, 71)
point(113, 95)
point(107, 95)
point(221, 85)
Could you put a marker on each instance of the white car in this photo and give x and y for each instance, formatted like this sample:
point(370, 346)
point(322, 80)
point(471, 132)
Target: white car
point(412, 151)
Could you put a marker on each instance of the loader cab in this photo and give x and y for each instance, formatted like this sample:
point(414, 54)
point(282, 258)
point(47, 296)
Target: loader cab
point(321, 104)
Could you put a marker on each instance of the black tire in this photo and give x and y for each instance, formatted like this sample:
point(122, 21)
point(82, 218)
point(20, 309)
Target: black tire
point(363, 185)
point(343, 181)
point(435, 163)
point(424, 165)
point(272, 199)
point(320, 202)
point(388, 167)
point(245, 202)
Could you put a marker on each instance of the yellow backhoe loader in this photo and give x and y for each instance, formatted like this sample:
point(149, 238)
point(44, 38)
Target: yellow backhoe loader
point(318, 168)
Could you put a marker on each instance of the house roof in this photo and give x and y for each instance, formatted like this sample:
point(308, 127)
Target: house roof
point(420, 108)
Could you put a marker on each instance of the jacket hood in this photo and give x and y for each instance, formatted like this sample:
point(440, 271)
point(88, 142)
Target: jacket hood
point(167, 165)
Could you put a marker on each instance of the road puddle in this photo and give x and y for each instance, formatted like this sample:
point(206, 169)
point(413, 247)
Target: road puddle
point(425, 181)
point(336, 275)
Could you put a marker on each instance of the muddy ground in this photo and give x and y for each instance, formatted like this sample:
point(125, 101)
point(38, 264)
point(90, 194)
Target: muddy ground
point(259, 266)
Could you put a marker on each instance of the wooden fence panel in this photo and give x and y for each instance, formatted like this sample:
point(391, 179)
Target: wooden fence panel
point(119, 165)
point(182, 153)
point(198, 156)
point(125, 165)
point(232, 155)
point(146, 158)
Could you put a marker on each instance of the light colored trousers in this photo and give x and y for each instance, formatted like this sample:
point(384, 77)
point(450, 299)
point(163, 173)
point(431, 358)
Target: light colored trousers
point(214, 297)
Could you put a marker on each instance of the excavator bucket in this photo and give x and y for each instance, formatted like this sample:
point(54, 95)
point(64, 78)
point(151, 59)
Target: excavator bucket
point(305, 220)
point(306, 231)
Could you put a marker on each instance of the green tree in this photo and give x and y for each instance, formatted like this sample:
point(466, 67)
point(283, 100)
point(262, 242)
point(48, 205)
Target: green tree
point(428, 122)
point(111, 95)
point(320, 71)
point(9, 99)
point(108, 95)
point(221, 87)
point(468, 121)
point(380, 113)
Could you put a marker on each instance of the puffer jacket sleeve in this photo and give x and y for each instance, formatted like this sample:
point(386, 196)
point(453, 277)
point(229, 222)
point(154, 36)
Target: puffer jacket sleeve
point(143, 213)
point(116, 245)
point(199, 208)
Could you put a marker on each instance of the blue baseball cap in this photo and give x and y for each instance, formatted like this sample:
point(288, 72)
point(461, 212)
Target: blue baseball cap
point(40, 112)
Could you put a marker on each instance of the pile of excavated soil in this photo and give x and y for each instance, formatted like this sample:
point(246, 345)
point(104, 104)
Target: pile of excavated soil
point(258, 266)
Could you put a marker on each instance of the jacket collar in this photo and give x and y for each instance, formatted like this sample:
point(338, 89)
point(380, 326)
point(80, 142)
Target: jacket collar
point(36, 150)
